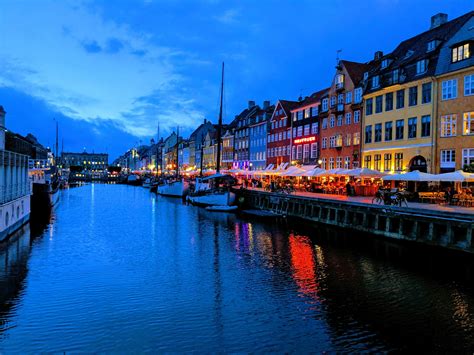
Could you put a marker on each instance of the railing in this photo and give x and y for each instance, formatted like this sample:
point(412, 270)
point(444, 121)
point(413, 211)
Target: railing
point(12, 192)
point(8, 158)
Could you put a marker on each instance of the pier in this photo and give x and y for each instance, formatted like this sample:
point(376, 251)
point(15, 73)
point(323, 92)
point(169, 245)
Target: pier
point(435, 225)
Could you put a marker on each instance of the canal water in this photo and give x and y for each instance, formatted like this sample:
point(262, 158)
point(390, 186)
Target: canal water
point(121, 270)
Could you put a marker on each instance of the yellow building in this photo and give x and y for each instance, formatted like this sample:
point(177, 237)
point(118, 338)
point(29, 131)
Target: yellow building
point(401, 101)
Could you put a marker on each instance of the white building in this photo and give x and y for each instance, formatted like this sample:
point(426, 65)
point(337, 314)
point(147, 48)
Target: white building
point(15, 187)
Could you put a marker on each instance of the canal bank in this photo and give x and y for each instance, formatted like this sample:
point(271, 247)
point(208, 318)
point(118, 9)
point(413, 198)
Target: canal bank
point(448, 229)
point(121, 270)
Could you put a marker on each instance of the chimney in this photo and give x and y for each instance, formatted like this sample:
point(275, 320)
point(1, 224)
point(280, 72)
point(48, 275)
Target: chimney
point(2, 128)
point(438, 20)
point(251, 104)
point(266, 104)
point(378, 55)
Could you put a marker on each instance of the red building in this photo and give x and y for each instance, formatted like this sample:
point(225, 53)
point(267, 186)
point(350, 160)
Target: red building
point(305, 126)
point(279, 133)
point(341, 117)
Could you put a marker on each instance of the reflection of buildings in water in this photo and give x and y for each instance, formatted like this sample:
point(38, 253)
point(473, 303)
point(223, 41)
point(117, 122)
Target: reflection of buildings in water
point(13, 271)
point(304, 267)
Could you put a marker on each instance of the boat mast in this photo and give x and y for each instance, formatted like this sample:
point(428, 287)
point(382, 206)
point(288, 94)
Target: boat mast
point(219, 125)
point(177, 152)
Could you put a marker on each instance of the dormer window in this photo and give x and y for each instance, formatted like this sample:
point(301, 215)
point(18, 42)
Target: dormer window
point(366, 76)
point(421, 66)
point(460, 53)
point(384, 64)
point(395, 75)
point(409, 53)
point(376, 81)
point(431, 46)
point(339, 81)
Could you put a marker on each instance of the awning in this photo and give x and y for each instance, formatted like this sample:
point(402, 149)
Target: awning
point(415, 175)
point(456, 176)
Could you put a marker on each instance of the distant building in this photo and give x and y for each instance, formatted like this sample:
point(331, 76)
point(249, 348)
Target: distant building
point(95, 164)
point(259, 121)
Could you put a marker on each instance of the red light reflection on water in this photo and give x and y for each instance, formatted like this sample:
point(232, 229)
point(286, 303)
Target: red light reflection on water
point(304, 267)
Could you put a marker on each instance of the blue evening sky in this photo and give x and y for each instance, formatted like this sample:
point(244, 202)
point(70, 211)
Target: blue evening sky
point(108, 71)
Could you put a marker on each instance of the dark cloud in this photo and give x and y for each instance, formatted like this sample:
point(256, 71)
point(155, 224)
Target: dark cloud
point(91, 46)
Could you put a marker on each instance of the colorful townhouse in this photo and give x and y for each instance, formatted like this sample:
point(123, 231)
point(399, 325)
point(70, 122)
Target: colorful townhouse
point(305, 128)
point(279, 134)
point(242, 137)
point(340, 117)
point(454, 124)
point(228, 147)
point(401, 100)
point(258, 136)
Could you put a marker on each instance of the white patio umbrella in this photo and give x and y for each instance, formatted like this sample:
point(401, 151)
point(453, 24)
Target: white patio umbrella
point(313, 172)
point(333, 172)
point(292, 171)
point(415, 175)
point(364, 172)
point(456, 176)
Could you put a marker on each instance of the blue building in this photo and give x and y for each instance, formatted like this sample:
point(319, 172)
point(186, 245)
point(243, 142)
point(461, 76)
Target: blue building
point(258, 136)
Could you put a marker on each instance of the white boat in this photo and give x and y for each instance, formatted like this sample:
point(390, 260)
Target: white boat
point(213, 198)
point(174, 189)
point(147, 183)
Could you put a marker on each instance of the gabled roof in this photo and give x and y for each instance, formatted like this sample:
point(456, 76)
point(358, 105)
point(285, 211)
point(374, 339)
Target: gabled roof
point(355, 70)
point(311, 99)
point(287, 106)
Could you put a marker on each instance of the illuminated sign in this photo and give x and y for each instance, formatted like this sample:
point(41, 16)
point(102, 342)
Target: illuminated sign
point(305, 140)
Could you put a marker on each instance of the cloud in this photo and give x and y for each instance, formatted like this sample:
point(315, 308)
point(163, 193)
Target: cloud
point(228, 17)
point(94, 70)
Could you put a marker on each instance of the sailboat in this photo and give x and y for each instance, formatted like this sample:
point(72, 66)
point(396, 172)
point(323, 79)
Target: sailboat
point(178, 187)
point(215, 189)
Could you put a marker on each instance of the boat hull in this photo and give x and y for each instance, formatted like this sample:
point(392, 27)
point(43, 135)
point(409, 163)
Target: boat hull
point(174, 189)
point(213, 199)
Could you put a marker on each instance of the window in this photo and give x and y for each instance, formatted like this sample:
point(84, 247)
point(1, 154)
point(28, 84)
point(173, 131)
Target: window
point(389, 101)
point(377, 161)
point(398, 161)
point(357, 95)
point(375, 81)
point(299, 114)
point(384, 64)
point(368, 161)
point(413, 96)
point(333, 101)
point(324, 163)
point(449, 89)
point(306, 129)
point(378, 104)
point(339, 162)
point(366, 75)
point(325, 104)
point(314, 150)
point(448, 125)
point(387, 162)
point(425, 126)
point(339, 120)
point(368, 134)
point(294, 131)
point(431, 46)
point(388, 131)
point(338, 138)
point(324, 143)
point(401, 98)
point(332, 141)
point(421, 66)
point(368, 106)
point(332, 121)
point(395, 76)
point(356, 140)
point(348, 97)
point(293, 153)
point(460, 53)
point(468, 123)
point(307, 113)
point(331, 163)
point(400, 127)
point(448, 158)
point(315, 128)
point(468, 156)
point(348, 118)
point(300, 131)
point(306, 151)
point(356, 116)
point(348, 140)
point(378, 132)
point(469, 85)
point(314, 111)
point(325, 123)
point(339, 81)
point(299, 152)
point(340, 99)
point(426, 93)
point(412, 127)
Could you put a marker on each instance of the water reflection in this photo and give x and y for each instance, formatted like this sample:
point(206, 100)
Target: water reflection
point(197, 280)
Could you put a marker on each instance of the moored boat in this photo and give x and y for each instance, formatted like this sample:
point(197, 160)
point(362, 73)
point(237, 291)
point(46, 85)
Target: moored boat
point(177, 188)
